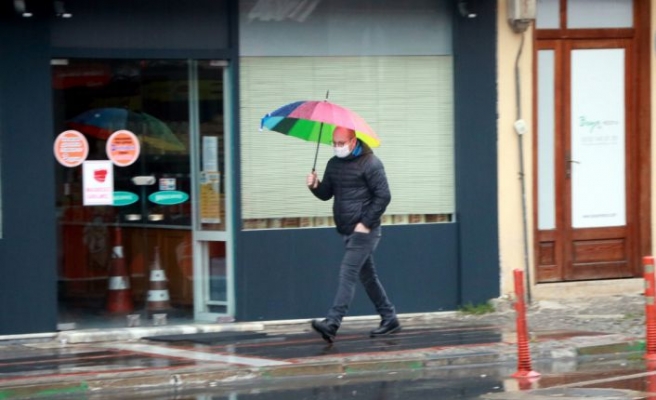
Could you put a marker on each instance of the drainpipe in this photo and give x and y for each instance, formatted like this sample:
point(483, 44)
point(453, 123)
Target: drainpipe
point(520, 129)
point(520, 15)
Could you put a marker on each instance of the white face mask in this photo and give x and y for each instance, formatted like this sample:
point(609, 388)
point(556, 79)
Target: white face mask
point(342, 151)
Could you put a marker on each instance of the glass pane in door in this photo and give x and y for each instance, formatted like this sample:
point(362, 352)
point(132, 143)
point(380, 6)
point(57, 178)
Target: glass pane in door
point(546, 140)
point(598, 124)
point(207, 77)
point(599, 14)
point(218, 277)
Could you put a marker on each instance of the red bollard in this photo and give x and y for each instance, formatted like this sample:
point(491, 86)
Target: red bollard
point(524, 369)
point(650, 311)
point(651, 380)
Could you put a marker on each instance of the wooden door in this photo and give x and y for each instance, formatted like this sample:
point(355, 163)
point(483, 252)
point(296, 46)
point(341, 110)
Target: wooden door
point(598, 160)
point(592, 140)
point(592, 232)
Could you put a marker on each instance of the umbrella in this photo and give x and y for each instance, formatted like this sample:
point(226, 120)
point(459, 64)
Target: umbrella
point(315, 121)
point(102, 122)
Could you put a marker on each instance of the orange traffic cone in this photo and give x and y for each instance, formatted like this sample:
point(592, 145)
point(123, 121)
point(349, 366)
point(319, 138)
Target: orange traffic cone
point(119, 295)
point(158, 293)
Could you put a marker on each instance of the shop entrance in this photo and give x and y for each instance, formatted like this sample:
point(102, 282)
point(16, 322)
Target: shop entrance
point(156, 251)
point(591, 140)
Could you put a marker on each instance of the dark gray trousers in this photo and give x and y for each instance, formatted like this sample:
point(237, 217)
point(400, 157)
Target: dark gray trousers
point(358, 263)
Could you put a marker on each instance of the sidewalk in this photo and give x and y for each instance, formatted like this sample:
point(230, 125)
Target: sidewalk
point(201, 356)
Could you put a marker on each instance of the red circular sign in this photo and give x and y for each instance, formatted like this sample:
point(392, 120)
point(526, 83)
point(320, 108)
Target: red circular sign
point(71, 148)
point(123, 148)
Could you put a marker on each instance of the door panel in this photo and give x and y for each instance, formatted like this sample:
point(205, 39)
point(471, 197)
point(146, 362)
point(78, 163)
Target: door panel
point(593, 163)
point(549, 191)
point(597, 170)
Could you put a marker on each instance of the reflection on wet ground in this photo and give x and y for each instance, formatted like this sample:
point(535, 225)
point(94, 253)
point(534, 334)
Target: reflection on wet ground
point(408, 385)
point(589, 379)
point(70, 362)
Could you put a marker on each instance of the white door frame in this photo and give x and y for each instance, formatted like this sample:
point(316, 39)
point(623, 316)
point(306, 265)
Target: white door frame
point(201, 262)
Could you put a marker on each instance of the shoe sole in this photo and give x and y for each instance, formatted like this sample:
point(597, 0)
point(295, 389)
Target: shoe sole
point(325, 337)
point(391, 331)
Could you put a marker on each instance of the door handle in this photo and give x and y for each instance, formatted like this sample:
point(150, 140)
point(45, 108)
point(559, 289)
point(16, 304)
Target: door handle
point(568, 168)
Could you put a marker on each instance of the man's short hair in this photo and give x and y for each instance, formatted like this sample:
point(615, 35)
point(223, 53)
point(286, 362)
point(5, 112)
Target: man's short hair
point(350, 132)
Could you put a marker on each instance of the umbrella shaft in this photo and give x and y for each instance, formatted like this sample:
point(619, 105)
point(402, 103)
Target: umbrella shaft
point(316, 153)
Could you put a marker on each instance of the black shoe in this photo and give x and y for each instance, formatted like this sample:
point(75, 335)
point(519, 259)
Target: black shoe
point(325, 329)
point(386, 328)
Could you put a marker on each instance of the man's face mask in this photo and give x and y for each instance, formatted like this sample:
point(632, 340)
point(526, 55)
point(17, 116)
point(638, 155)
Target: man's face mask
point(341, 148)
point(342, 151)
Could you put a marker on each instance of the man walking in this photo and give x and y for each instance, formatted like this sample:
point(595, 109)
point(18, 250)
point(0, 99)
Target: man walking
point(356, 179)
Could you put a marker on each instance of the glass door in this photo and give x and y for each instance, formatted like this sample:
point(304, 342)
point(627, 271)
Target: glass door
point(209, 125)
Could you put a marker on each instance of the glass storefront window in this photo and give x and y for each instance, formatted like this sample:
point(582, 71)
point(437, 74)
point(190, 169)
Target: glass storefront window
point(148, 228)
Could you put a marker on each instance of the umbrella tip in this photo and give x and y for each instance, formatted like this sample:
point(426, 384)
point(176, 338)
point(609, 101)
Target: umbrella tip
point(262, 121)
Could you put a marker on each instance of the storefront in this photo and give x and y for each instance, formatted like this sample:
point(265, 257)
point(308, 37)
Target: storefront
point(209, 218)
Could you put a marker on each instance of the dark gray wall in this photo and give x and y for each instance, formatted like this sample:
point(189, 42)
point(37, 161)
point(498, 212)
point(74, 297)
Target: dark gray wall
point(476, 152)
point(142, 24)
point(27, 248)
point(286, 273)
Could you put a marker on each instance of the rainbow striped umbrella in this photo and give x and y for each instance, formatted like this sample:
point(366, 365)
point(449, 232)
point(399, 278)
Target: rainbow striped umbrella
point(315, 121)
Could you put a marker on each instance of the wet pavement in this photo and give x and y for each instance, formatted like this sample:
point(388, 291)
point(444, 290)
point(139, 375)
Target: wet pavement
point(459, 356)
point(249, 349)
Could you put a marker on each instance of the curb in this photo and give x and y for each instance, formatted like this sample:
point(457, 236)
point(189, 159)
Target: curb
point(626, 347)
point(273, 326)
point(127, 334)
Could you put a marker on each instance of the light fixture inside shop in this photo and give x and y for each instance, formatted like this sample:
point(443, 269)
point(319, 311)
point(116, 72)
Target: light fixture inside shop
point(60, 10)
point(133, 217)
point(465, 9)
point(21, 8)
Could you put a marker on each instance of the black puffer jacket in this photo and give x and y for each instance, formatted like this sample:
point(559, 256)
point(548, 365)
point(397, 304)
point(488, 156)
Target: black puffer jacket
point(360, 188)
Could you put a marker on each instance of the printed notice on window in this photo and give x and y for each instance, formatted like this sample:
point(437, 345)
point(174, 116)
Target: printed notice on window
point(210, 153)
point(210, 199)
point(97, 183)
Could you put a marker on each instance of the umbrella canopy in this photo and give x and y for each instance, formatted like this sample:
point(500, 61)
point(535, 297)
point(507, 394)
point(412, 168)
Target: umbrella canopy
point(102, 122)
point(316, 120)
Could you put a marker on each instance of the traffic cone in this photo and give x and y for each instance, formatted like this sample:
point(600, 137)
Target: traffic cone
point(158, 293)
point(119, 295)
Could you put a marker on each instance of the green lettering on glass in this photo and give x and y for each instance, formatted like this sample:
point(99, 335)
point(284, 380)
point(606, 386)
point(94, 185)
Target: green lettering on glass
point(592, 125)
point(168, 197)
point(124, 198)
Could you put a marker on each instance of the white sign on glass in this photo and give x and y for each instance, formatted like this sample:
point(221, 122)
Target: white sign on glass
point(210, 153)
point(598, 138)
point(98, 183)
